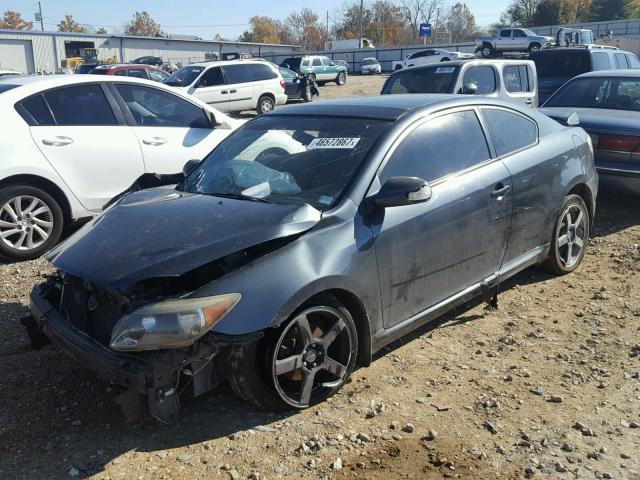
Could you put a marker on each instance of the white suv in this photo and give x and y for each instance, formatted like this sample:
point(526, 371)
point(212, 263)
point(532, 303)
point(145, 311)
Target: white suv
point(69, 143)
point(233, 86)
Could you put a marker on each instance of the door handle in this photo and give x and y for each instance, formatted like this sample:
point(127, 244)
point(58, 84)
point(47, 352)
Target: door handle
point(154, 141)
point(57, 141)
point(500, 190)
point(233, 91)
point(529, 101)
point(224, 92)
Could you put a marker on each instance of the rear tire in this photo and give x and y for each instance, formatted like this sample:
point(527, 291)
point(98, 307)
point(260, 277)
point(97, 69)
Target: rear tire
point(265, 104)
point(31, 222)
point(487, 51)
point(445, 59)
point(534, 47)
point(570, 237)
point(321, 357)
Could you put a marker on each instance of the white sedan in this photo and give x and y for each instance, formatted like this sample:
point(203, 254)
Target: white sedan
point(430, 55)
point(69, 143)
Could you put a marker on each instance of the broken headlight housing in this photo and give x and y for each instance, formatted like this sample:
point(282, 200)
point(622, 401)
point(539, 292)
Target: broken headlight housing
point(170, 323)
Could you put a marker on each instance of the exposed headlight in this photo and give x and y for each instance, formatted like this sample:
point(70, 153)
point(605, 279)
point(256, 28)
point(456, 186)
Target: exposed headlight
point(171, 323)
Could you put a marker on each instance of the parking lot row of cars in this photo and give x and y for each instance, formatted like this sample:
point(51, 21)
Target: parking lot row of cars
point(369, 216)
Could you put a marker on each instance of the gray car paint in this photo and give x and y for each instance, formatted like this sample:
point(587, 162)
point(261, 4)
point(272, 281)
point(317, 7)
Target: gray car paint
point(362, 253)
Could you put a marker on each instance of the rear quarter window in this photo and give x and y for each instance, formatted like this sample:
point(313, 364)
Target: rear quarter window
point(35, 111)
point(509, 130)
point(600, 61)
point(633, 61)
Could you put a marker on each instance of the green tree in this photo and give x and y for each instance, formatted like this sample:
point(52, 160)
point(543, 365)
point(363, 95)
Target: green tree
point(68, 24)
point(263, 29)
point(609, 9)
point(13, 21)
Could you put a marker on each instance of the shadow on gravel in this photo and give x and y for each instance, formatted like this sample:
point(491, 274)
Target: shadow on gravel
point(614, 213)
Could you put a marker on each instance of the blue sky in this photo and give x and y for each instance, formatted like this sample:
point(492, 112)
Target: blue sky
point(199, 17)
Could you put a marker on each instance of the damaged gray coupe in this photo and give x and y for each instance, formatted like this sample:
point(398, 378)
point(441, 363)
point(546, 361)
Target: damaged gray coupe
point(311, 238)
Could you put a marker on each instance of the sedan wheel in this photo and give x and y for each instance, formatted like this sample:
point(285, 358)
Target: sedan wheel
point(571, 235)
point(302, 364)
point(307, 96)
point(30, 222)
point(312, 357)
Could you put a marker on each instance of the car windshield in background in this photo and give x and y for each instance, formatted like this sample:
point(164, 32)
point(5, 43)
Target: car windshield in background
point(99, 71)
point(291, 63)
point(558, 63)
point(288, 160)
point(183, 77)
point(435, 79)
point(371, 61)
point(6, 86)
point(82, 69)
point(599, 92)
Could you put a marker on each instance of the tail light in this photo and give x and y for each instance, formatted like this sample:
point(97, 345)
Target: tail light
point(282, 84)
point(618, 143)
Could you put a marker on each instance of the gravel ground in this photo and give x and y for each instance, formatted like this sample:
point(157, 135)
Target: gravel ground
point(546, 386)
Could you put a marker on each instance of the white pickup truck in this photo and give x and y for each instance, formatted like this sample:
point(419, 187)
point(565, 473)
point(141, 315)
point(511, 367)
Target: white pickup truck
point(512, 40)
point(431, 55)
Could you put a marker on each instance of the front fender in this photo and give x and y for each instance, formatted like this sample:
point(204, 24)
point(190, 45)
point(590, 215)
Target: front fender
point(336, 256)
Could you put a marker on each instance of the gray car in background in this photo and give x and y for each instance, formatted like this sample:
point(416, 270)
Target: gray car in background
point(608, 105)
point(311, 238)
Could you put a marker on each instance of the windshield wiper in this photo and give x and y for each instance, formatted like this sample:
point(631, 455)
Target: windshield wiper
point(237, 196)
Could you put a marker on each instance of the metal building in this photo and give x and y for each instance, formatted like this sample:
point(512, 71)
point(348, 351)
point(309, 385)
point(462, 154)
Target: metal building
point(43, 52)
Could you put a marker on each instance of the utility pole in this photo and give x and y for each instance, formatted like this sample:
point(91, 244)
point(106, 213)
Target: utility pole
point(361, 23)
point(327, 27)
point(40, 15)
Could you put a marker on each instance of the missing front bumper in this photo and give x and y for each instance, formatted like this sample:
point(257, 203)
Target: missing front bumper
point(154, 375)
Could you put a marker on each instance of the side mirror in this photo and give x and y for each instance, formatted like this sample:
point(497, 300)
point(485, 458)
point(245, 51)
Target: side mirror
point(210, 116)
point(189, 167)
point(399, 191)
point(470, 89)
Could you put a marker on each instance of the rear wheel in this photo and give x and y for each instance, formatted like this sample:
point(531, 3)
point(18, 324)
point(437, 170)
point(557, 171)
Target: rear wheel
point(306, 95)
point(487, 51)
point(300, 364)
point(265, 104)
point(534, 47)
point(31, 222)
point(342, 78)
point(570, 237)
point(445, 59)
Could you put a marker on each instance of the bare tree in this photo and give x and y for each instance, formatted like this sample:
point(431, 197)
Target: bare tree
point(68, 24)
point(421, 11)
point(142, 25)
point(460, 23)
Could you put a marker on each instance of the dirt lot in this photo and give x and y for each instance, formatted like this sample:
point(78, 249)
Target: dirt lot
point(546, 386)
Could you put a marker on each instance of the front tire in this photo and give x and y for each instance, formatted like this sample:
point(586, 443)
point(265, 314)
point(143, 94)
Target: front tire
point(445, 59)
point(31, 222)
point(570, 237)
point(307, 96)
point(265, 104)
point(302, 363)
point(342, 79)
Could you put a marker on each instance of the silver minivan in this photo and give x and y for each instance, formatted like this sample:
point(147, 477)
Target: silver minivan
point(514, 80)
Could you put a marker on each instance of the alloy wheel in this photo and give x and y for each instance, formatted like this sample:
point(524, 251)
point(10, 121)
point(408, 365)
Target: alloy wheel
point(571, 235)
point(311, 356)
point(26, 222)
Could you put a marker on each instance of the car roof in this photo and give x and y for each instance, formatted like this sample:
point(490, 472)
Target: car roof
point(32, 84)
point(125, 66)
point(381, 107)
point(627, 73)
point(223, 63)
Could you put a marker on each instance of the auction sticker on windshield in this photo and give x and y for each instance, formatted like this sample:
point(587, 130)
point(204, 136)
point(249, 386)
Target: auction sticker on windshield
point(445, 69)
point(318, 143)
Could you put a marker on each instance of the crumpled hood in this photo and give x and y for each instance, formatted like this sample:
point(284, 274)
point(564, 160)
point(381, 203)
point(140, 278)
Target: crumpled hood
point(163, 232)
